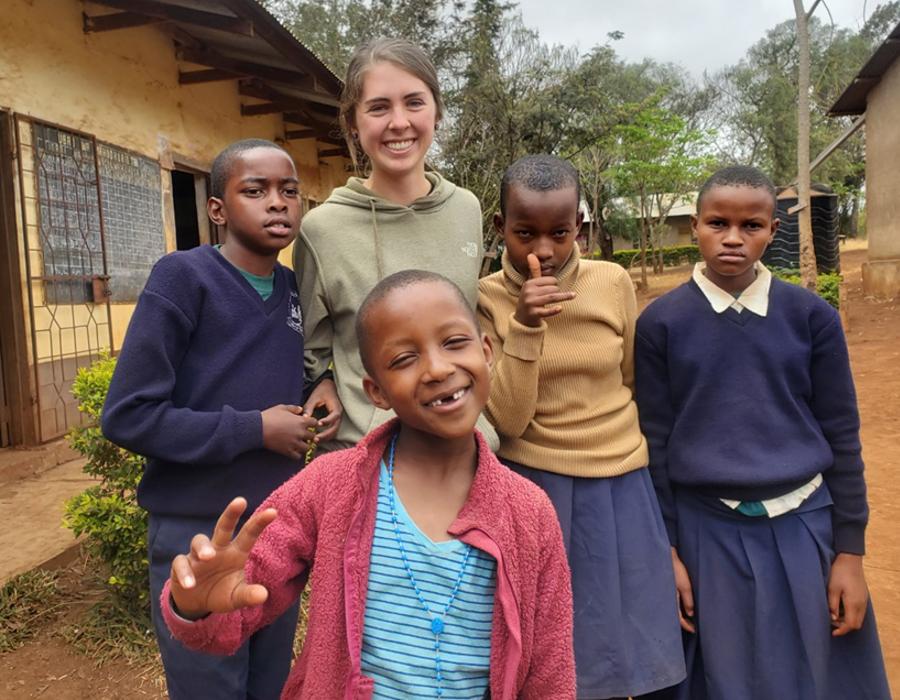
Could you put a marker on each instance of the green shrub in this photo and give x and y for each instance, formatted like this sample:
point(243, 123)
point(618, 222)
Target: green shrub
point(828, 284)
point(673, 256)
point(108, 513)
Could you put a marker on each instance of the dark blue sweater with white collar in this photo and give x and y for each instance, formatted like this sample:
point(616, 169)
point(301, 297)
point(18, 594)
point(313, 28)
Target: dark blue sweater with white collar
point(748, 407)
point(203, 356)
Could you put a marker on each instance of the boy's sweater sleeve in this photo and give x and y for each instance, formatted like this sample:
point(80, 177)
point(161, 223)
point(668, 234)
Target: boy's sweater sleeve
point(514, 374)
point(656, 414)
point(552, 671)
point(318, 330)
point(280, 561)
point(834, 406)
point(139, 414)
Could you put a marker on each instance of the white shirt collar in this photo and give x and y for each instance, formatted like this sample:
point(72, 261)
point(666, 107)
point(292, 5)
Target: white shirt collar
point(754, 298)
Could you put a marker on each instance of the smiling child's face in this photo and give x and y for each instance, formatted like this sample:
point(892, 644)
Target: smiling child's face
point(427, 360)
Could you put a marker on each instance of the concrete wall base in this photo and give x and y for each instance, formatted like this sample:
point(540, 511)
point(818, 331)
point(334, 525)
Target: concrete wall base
point(881, 278)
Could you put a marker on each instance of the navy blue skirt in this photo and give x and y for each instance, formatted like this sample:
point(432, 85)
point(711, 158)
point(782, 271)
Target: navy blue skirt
point(627, 638)
point(761, 608)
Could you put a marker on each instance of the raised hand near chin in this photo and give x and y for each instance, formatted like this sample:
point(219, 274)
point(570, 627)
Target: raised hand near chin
point(540, 296)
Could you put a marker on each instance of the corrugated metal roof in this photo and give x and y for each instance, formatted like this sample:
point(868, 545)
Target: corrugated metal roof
point(854, 99)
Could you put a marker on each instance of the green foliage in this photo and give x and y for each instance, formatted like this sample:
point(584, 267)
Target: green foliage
point(828, 284)
point(25, 602)
point(672, 256)
point(108, 513)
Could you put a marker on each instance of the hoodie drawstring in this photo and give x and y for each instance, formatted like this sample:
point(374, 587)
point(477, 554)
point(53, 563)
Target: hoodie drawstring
point(379, 262)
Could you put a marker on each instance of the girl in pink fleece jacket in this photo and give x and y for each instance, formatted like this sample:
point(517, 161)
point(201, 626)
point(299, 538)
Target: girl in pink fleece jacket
point(435, 571)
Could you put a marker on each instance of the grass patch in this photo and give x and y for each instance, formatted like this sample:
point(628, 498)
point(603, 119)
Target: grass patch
point(27, 603)
point(107, 627)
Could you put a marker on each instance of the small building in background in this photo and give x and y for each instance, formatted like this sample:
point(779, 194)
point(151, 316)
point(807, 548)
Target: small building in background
point(677, 226)
point(111, 113)
point(875, 94)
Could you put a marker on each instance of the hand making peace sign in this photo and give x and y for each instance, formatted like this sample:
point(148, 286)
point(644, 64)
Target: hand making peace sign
point(210, 578)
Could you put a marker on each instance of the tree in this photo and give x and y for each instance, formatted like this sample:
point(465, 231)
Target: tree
point(660, 161)
point(754, 102)
point(808, 273)
point(333, 29)
point(500, 104)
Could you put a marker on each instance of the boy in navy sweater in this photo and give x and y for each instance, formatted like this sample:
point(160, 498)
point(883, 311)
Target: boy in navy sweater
point(209, 387)
point(746, 398)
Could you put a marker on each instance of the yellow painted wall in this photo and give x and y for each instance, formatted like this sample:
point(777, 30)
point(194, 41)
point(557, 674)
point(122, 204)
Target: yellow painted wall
point(122, 87)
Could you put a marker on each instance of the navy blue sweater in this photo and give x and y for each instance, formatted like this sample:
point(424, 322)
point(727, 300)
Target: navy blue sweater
point(203, 356)
point(747, 407)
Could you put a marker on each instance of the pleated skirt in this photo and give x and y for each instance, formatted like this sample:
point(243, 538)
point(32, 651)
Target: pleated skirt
point(761, 608)
point(627, 638)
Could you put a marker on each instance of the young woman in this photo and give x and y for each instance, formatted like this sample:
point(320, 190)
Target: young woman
point(397, 217)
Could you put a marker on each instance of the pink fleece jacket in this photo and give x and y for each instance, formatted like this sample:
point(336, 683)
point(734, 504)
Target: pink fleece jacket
point(324, 530)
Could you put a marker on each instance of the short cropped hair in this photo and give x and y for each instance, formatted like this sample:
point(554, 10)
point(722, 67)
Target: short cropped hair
point(739, 176)
point(539, 173)
point(390, 284)
point(224, 162)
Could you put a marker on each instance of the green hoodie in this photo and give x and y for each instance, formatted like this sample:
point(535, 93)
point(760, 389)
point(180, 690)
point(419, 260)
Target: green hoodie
point(350, 243)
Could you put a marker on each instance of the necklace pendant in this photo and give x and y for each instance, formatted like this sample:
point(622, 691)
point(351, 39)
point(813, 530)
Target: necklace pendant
point(437, 625)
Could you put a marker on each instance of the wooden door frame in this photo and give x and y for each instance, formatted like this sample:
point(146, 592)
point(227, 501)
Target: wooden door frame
point(13, 334)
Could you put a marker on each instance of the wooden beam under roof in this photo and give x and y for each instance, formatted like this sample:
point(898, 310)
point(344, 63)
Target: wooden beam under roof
point(178, 13)
point(209, 75)
point(283, 41)
point(214, 59)
point(332, 152)
point(114, 21)
point(262, 91)
point(263, 108)
point(278, 101)
point(300, 134)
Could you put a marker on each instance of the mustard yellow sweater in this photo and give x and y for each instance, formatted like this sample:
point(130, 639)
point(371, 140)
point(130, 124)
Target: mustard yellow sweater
point(561, 394)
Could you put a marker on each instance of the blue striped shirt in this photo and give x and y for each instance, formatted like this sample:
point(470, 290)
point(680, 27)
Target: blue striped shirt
point(398, 645)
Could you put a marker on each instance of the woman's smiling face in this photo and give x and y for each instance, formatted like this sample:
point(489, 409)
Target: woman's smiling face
point(395, 120)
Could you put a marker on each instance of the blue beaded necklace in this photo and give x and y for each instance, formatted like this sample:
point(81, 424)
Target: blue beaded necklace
point(437, 621)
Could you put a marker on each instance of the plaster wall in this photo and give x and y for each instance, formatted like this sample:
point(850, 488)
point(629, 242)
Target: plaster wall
point(122, 87)
point(881, 276)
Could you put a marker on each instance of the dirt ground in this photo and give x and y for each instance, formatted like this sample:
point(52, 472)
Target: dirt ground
point(47, 668)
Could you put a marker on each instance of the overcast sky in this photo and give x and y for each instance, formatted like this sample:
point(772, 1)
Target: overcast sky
point(698, 34)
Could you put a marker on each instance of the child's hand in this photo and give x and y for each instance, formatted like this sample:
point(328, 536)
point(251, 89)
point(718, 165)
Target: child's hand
point(848, 595)
point(325, 394)
point(286, 430)
point(210, 578)
point(684, 593)
point(537, 293)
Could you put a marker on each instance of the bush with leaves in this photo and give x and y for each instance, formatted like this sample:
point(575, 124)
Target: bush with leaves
point(828, 284)
point(108, 513)
point(672, 256)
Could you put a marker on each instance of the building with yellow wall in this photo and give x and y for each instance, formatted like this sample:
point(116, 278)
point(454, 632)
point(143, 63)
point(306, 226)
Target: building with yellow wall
point(110, 116)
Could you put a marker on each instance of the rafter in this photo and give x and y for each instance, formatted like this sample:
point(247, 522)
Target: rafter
point(186, 15)
point(300, 134)
point(332, 152)
point(263, 108)
point(210, 75)
point(213, 59)
point(116, 20)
